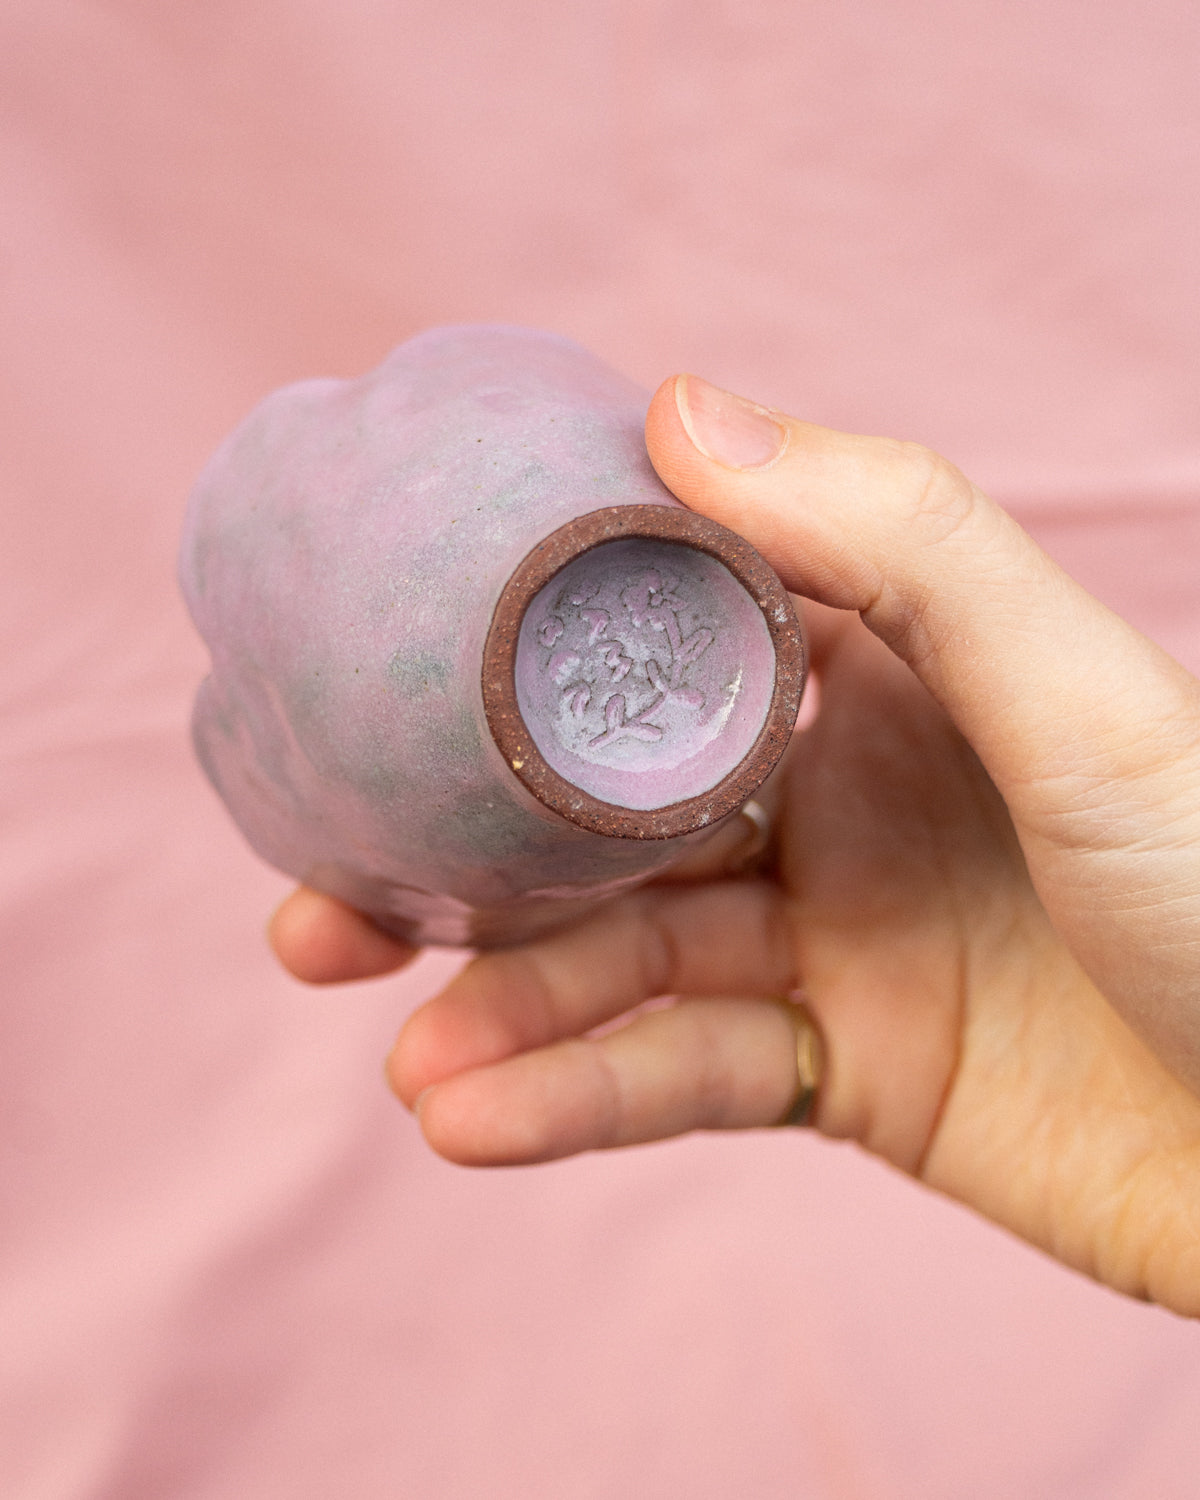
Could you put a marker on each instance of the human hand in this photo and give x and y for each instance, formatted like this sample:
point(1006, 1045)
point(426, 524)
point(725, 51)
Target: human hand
point(985, 882)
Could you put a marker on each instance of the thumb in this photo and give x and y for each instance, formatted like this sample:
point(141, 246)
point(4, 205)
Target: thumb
point(1089, 730)
point(1000, 635)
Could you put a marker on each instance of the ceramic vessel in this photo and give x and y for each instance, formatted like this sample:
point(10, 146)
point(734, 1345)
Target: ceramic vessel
point(473, 667)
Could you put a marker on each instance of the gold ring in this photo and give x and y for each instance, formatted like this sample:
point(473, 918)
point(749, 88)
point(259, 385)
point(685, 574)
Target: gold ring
point(810, 1063)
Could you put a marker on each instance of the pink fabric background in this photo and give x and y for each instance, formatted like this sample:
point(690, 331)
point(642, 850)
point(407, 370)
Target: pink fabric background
point(229, 1267)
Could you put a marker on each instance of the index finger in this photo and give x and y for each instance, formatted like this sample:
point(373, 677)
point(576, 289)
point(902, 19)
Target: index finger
point(723, 938)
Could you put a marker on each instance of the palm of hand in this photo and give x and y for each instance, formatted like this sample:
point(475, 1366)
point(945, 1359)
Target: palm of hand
point(969, 1047)
point(965, 1043)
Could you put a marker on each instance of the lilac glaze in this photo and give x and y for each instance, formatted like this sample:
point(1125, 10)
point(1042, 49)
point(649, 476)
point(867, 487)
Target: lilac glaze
point(644, 672)
point(343, 554)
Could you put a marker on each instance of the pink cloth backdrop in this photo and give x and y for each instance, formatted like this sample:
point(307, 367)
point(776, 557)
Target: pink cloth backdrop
point(229, 1266)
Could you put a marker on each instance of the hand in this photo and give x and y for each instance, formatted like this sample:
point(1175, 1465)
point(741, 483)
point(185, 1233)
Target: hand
point(985, 882)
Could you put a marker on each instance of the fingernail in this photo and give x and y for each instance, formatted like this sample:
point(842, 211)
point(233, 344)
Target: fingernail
point(725, 428)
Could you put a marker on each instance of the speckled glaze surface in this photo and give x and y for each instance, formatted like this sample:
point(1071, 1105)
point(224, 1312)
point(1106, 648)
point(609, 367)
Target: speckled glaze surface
point(344, 554)
point(644, 672)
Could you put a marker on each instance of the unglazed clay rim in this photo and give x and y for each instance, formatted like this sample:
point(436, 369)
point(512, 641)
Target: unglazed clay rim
point(664, 524)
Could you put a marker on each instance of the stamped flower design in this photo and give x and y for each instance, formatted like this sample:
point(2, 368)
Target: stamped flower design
point(607, 647)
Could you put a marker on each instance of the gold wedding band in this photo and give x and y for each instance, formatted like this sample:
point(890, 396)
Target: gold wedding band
point(810, 1063)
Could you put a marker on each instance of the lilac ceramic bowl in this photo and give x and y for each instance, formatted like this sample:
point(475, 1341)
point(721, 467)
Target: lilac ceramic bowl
point(473, 667)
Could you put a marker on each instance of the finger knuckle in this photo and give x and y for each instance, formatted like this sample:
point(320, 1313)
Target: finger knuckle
point(934, 503)
point(938, 498)
point(658, 950)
